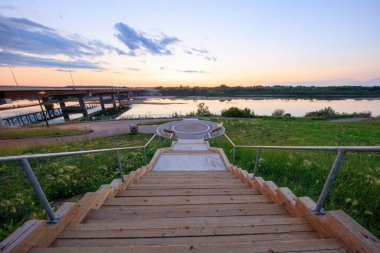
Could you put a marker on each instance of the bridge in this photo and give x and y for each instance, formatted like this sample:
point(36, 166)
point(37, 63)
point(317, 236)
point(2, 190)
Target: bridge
point(190, 198)
point(47, 96)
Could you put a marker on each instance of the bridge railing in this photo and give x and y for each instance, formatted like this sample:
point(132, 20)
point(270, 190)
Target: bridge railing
point(341, 151)
point(24, 162)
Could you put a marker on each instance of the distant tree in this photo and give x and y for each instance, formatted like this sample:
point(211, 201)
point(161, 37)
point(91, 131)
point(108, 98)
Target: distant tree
point(278, 113)
point(203, 110)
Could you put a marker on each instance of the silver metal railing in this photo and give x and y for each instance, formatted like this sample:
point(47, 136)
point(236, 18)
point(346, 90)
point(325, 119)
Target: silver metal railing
point(341, 150)
point(24, 161)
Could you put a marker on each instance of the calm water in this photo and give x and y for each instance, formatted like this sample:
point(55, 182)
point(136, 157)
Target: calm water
point(296, 107)
point(163, 107)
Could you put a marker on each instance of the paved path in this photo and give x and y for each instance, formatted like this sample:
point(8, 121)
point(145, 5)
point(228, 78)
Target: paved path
point(190, 129)
point(99, 128)
point(356, 119)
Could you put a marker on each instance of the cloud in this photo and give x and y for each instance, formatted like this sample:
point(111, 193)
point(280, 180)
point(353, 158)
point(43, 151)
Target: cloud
point(32, 61)
point(189, 71)
point(7, 7)
point(133, 69)
point(65, 70)
point(21, 35)
point(138, 41)
point(200, 52)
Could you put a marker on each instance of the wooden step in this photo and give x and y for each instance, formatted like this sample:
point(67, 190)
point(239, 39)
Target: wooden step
point(237, 185)
point(316, 245)
point(187, 222)
point(189, 174)
point(169, 181)
point(173, 211)
point(186, 200)
point(185, 231)
point(187, 192)
point(183, 240)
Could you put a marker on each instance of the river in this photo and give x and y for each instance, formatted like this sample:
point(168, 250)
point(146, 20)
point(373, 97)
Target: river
point(296, 107)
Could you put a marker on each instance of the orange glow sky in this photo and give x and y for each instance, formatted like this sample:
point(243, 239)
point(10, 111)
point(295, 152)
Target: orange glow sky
point(203, 43)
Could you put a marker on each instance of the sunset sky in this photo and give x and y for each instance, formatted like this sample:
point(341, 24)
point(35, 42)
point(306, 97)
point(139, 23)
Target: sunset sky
point(199, 42)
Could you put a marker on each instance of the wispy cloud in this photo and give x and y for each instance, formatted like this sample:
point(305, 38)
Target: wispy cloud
point(133, 69)
point(189, 71)
point(138, 41)
point(65, 70)
point(32, 61)
point(22, 37)
point(200, 52)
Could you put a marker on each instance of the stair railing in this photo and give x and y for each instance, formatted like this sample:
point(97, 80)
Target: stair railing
point(341, 151)
point(24, 162)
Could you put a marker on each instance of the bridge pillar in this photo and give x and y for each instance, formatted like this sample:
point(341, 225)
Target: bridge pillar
point(101, 100)
point(63, 109)
point(113, 101)
point(83, 106)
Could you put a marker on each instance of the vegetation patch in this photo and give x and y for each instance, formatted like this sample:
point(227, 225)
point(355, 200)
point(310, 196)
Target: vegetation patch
point(64, 177)
point(356, 189)
point(238, 113)
point(27, 132)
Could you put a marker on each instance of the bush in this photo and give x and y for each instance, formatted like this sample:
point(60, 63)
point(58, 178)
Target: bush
point(326, 112)
point(278, 113)
point(236, 112)
point(203, 110)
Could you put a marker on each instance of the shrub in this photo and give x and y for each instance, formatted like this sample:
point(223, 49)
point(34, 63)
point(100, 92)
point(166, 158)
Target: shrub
point(278, 113)
point(203, 110)
point(236, 112)
point(326, 112)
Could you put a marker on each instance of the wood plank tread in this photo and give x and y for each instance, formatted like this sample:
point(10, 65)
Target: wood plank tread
point(187, 192)
point(256, 246)
point(175, 200)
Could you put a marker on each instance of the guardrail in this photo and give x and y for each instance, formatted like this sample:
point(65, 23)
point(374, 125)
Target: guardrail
point(333, 171)
point(52, 218)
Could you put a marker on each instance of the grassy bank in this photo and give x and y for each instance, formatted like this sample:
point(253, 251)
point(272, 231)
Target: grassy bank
point(357, 187)
point(26, 132)
point(63, 177)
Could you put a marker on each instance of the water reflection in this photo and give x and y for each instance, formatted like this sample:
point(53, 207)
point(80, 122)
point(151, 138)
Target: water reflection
point(296, 107)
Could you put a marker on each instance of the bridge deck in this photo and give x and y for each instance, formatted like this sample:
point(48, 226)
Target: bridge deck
point(210, 212)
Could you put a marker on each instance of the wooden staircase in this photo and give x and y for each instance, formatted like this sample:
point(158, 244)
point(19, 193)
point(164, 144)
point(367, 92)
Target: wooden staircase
point(197, 211)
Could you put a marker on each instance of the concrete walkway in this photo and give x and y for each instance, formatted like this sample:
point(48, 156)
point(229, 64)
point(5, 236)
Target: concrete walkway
point(99, 128)
point(190, 155)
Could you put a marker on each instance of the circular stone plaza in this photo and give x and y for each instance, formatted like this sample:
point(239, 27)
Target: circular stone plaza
point(190, 129)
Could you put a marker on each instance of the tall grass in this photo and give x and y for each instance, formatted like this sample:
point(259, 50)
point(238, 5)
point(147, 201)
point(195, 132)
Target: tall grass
point(356, 189)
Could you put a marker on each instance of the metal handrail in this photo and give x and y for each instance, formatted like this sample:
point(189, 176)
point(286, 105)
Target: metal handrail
point(333, 171)
point(52, 217)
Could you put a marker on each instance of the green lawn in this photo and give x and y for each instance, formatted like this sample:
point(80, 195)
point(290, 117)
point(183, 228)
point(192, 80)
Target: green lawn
point(26, 132)
point(64, 177)
point(357, 187)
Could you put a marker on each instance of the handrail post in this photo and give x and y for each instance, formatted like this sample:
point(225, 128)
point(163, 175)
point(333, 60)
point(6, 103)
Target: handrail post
point(256, 163)
point(146, 160)
point(234, 155)
point(52, 218)
point(119, 166)
point(329, 181)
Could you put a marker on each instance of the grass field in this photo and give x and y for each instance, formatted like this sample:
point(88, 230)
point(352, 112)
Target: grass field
point(26, 132)
point(357, 187)
point(64, 177)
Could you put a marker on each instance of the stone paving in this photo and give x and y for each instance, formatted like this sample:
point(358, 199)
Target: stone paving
point(190, 129)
